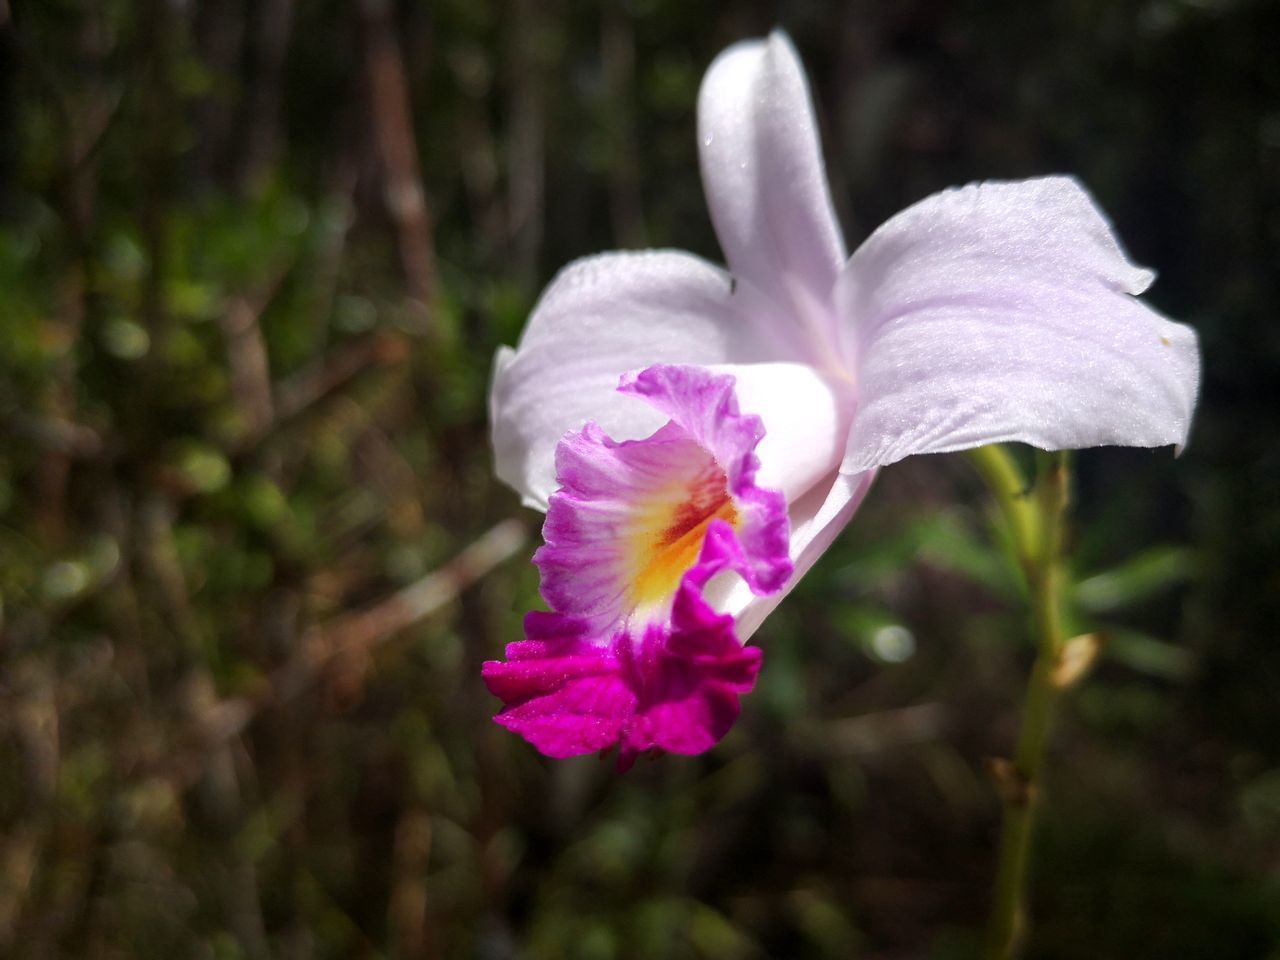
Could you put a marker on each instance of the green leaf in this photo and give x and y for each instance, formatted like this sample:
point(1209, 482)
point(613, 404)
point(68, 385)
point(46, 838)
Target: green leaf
point(1143, 575)
point(1146, 654)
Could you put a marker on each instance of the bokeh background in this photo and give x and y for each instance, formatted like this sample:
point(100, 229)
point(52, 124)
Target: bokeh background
point(255, 258)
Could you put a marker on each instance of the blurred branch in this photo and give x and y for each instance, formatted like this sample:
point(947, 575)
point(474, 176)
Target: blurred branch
point(398, 152)
point(618, 52)
point(248, 363)
point(527, 148)
point(477, 151)
point(356, 634)
point(385, 470)
point(158, 165)
point(53, 475)
point(359, 632)
point(272, 35)
point(29, 709)
point(84, 117)
point(158, 552)
point(409, 860)
point(310, 385)
point(20, 851)
point(219, 31)
point(31, 911)
point(83, 111)
point(60, 436)
point(222, 795)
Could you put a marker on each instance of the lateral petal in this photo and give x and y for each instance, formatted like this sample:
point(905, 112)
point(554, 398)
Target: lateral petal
point(601, 317)
point(1005, 311)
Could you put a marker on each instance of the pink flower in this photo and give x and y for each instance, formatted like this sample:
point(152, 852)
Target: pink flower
point(755, 406)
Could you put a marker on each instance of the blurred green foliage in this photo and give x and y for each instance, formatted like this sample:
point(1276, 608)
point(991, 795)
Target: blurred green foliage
point(242, 391)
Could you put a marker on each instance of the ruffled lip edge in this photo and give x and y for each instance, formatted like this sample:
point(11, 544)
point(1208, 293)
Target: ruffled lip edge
point(674, 689)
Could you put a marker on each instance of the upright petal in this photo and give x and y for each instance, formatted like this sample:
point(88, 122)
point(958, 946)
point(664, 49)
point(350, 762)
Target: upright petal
point(599, 318)
point(766, 184)
point(1006, 311)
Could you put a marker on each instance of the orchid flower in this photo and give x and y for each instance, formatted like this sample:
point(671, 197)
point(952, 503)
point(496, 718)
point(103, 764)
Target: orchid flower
point(698, 438)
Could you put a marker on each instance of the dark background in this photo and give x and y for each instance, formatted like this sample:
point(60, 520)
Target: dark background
point(242, 401)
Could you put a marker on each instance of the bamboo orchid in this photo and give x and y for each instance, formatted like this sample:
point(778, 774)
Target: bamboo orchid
point(698, 438)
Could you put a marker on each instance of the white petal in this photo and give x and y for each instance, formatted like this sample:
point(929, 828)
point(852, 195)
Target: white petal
point(806, 419)
point(601, 317)
point(816, 520)
point(1003, 311)
point(767, 187)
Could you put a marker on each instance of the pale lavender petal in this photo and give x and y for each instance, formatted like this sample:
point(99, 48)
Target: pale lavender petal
point(1006, 311)
point(806, 417)
point(600, 318)
point(816, 520)
point(766, 186)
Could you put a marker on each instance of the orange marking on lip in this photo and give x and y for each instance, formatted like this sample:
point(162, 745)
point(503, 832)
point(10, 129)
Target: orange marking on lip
point(668, 541)
point(707, 496)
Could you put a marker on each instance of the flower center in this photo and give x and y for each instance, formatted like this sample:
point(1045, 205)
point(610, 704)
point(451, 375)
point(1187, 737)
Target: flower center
point(666, 535)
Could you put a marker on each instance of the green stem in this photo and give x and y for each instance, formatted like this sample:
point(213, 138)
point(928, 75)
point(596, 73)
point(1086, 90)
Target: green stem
point(1035, 524)
point(1010, 488)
